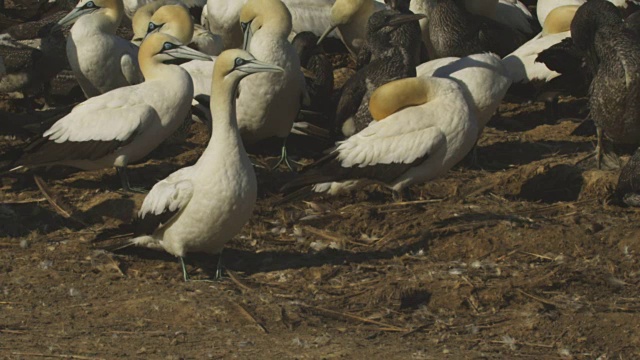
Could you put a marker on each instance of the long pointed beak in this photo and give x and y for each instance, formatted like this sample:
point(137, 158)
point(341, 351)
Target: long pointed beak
point(73, 15)
point(248, 34)
point(256, 66)
point(405, 18)
point(326, 33)
point(185, 52)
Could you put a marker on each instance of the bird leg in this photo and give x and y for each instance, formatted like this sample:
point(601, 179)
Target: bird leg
point(284, 158)
point(187, 278)
point(124, 179)
point(184, 270)
point(219, 268)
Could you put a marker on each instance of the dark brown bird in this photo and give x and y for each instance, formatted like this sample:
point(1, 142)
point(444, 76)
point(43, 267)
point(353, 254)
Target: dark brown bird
point(454, 31)
point(613, 52)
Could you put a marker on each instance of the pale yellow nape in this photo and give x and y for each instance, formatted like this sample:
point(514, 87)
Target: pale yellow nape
point(225, 64)
point(397, 95)
point(273, 13)
point(150, 47)
point(142, 16)
point(112, 9)
point(559, 19)
point(343, 11)
point(177, 22)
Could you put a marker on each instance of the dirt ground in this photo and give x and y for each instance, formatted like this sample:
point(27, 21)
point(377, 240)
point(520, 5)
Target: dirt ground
point(526, 256)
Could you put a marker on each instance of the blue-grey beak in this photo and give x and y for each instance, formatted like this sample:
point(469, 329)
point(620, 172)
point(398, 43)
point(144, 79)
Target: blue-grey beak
point(256, 66)
point(74, 15)
point(185, 52)
point(248, 34)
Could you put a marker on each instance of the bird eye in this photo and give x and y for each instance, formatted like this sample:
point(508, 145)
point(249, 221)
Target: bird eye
point(152, 26)
point(240, 62)
point(89, 5)
point(244, 25)
point(168, 46)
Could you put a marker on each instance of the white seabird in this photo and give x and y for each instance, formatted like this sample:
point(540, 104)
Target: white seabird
point(123, 125)
point(424, 127)
point(522, 65)
point(201, 207)
point(544, 7)
point(100, 60)
point(178, 20)
point(269, 103)
point(307, 15)
point(350, 18)
point(132, 6)
point(482, 77)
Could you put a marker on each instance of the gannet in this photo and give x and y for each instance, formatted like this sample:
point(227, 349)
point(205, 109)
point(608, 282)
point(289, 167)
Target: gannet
point(482, 77)
point(522, 65)
point(390, 61)
point(125, 124)
point(318, 72)
point(510, 15)
point(350, 18)
point(132, 6)
point(269, 103)
point(201, 207)
point(455, 31)
point(424, 127)
point(408, 34)
point(307, 15)
point(515, 14)
point(614, 95)
point(100, 60)
point(544, 7)
point(175, 20)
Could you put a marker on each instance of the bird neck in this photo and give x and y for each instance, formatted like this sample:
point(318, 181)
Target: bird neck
point(105, 20)
point(224, 122)
point(397, 95)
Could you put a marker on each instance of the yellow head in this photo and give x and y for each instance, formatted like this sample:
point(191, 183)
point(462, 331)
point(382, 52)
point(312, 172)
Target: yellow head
point(397, 95)
point(141, 18)
point(272, 15)
point(111, 9)
point(158, 48)
point(174, 20)
point(559, 19)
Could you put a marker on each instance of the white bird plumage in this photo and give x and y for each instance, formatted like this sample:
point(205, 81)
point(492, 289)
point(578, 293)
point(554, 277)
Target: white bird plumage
point(128, 122)
point(483, 78)
point(429, 123)
point(425, 126)
point(131, 6)
point(307, 15)
point(100, 60)
point(522, 65)
point(268, 103)
point(174, 19)
point(208, 203)
point(350, 19)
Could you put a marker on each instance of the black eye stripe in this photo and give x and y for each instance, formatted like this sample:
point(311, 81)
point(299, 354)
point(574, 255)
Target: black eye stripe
point(239, 62)
point(168, 46)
